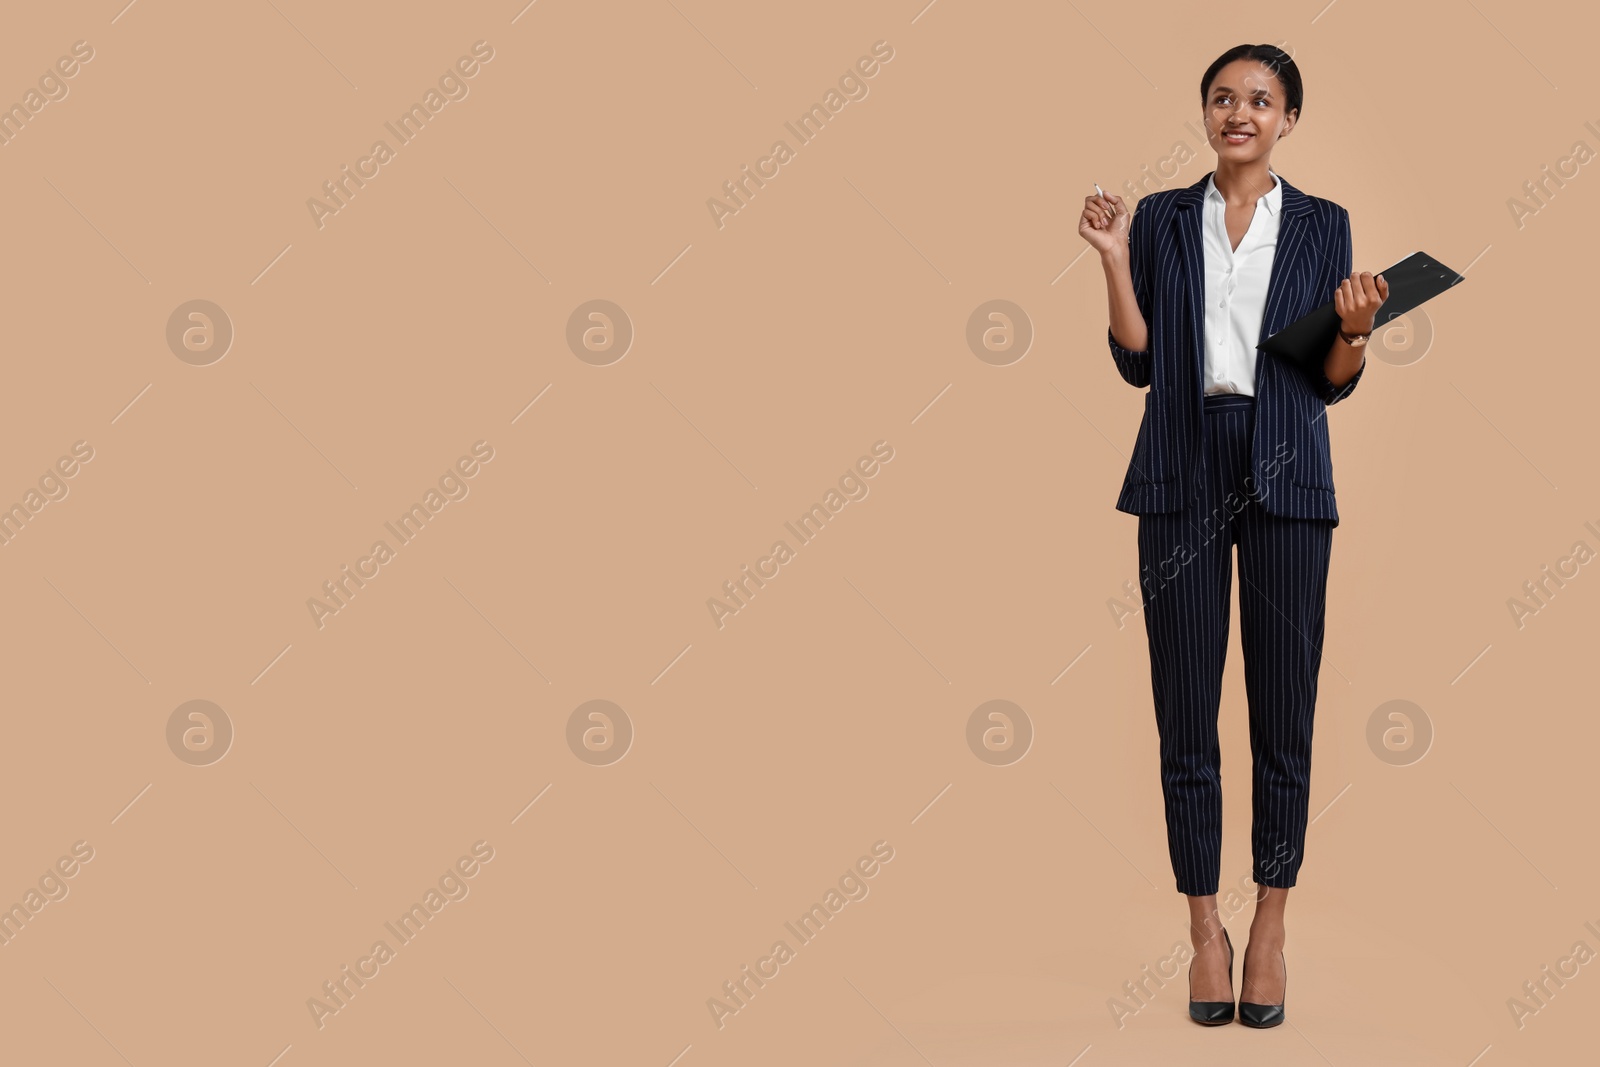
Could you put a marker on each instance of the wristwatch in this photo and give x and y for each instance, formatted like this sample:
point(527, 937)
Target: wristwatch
point(1355, 340)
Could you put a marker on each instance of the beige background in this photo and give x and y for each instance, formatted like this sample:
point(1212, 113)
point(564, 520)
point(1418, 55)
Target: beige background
point(831, 713)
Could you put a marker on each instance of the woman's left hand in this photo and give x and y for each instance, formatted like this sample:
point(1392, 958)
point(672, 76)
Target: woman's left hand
point(1358, 299)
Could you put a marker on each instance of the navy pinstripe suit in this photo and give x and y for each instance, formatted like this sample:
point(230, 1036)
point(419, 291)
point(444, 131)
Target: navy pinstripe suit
point(1208, 473)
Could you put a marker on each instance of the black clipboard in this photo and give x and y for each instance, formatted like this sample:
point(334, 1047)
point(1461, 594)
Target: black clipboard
point(1417, 278)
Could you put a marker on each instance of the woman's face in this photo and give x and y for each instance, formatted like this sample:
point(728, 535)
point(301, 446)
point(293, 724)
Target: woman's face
point(1245, 98)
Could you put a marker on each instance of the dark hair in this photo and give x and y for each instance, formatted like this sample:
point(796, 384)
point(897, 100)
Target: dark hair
point(1275, 59)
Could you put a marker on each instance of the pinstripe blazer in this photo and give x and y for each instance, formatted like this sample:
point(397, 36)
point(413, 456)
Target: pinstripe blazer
point(1292, 470)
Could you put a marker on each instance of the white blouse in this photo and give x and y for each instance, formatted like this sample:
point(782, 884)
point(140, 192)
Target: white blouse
point(1236, 289)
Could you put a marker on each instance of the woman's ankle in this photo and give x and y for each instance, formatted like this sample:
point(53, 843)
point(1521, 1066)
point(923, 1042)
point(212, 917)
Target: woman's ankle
point(1267, 935)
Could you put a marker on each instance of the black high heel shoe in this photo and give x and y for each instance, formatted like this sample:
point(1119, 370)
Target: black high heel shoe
point(1213, 1012)
point(1262, 1016)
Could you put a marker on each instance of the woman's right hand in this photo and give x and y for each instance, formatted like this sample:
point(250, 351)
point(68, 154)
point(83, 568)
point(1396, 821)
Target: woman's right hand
point(1105, 223)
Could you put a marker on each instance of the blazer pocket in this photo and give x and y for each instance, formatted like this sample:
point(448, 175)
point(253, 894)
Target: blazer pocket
point(1312, 476)
point(1317, 487)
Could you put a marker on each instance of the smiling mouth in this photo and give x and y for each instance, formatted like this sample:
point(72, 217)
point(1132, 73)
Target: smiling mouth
point(1237, 137)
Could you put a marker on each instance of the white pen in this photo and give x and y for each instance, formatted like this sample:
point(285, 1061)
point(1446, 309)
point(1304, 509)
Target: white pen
point(1102, 193)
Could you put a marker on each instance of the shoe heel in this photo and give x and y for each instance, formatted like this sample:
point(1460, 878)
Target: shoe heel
point(1262, 1016)
point(1214, 1012)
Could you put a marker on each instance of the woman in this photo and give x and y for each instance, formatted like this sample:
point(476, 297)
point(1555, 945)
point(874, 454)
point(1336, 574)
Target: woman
point(1233, 450)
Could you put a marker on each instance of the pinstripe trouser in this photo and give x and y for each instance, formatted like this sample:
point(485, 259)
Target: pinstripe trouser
point(1186, 573)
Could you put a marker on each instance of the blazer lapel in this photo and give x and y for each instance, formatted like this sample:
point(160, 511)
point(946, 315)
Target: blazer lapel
point(1295, 247)
point(1187, 219)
